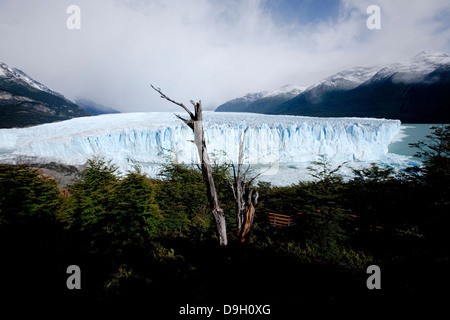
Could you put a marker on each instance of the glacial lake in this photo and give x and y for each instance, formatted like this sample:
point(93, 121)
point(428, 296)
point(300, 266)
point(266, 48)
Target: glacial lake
point(410, 133)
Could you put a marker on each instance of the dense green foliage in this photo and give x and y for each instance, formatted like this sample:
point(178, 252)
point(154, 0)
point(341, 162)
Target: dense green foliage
point(137, 238)
point(25, 196)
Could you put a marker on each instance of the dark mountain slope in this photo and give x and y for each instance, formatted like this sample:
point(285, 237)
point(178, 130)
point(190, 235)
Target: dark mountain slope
point(25, 102)
point(415, 91)
point(427, 101)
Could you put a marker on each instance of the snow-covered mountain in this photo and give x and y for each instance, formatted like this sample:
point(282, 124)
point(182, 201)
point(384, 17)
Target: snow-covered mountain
point(345, 80)
point(417, 67)
point(25, 101)
point(415, 90)
point(287, 90)
point(130, 139)
point(414, 69)
point(19, 77)
point(255, 102)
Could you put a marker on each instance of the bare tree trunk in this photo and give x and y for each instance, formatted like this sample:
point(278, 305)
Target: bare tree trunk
point(196, 124)
point(245, 196)
point(213, 197)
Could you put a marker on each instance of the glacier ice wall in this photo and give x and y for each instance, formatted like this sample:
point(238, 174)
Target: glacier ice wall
point(142, 138)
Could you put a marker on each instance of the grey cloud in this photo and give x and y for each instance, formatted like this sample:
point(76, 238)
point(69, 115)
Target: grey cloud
point(208, 50)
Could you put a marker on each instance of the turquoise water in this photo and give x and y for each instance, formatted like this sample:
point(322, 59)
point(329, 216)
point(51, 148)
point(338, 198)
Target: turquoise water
point(410, 133)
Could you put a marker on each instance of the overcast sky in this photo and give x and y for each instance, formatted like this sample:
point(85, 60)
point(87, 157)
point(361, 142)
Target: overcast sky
point(212, 50)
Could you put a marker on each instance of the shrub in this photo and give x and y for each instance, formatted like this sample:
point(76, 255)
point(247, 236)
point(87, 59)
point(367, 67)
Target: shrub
point(26, 195)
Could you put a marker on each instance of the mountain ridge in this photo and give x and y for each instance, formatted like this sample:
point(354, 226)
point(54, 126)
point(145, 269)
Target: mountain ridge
point(415, 91)
point(27, 102)
point(261, 100)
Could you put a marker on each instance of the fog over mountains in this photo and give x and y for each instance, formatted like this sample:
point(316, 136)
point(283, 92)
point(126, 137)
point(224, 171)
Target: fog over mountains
point(27, 102)
point(414, 91)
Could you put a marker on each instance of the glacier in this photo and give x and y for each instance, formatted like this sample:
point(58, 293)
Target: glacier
point(280, 147)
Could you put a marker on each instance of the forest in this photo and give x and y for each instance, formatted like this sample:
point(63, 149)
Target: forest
point(152, 243)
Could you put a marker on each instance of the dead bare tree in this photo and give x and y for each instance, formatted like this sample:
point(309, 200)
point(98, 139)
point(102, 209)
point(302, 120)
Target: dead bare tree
point(196, 124)
point(245, 196)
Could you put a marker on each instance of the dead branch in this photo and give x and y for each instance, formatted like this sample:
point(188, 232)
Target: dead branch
point(195, 123)
point(175, 102)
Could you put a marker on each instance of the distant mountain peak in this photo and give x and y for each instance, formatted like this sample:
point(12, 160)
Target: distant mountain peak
point(414, 69)
point(422, 63)
point(288, 89)
point(26, 102)
point(430, 57)
point(262, 101)
point(347, 79)
point(15, 74)
point(413, 90)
